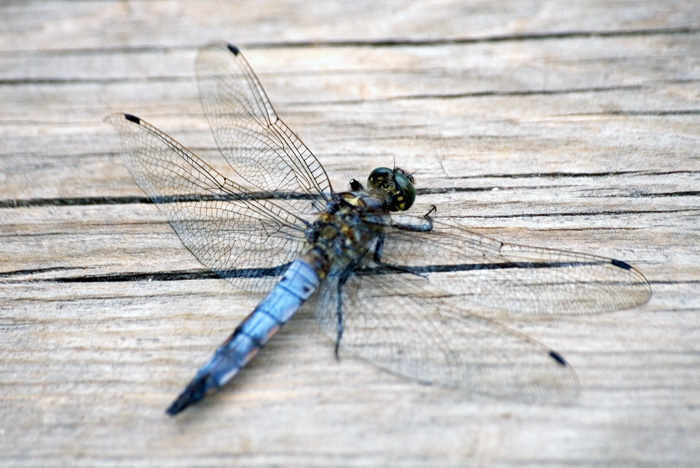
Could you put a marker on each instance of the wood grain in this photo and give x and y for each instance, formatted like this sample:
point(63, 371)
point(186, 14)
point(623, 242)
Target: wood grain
point(561, 124)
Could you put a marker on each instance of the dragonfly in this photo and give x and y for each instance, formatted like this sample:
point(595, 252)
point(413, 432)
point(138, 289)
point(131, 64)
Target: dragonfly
point(409, 293)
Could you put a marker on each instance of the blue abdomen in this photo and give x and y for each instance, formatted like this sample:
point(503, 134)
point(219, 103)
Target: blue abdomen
point(298, 283)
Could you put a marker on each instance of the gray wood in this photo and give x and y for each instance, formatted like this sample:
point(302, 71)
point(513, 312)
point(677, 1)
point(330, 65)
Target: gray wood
point(561, 124)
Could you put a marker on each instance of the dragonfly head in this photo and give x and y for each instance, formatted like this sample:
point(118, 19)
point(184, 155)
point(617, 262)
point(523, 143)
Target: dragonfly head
point(396, 185)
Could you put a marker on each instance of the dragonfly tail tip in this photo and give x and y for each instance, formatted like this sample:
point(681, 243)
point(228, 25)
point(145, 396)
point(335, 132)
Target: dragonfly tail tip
point(175, 408)
point(194, 392)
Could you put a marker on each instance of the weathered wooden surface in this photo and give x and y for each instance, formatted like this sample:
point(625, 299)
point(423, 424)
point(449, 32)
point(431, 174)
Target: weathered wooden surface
point(563, 124)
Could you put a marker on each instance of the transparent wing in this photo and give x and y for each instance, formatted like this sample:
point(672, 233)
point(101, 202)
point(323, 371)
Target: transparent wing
point(427, 312)
point(240, 235)
point(248, 132)
point(405, 324)
point(515, 278)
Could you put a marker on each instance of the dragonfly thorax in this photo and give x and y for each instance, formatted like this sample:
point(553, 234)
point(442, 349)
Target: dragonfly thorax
point(343, 229)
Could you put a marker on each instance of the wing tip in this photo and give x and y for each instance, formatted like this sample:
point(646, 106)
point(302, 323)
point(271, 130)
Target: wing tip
point(558, 358)
point(118, 117)
point(621, 264)
point(132, 118)
point(234, 50)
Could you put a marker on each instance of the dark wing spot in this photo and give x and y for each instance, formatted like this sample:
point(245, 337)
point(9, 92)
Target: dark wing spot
point(234, 49)
point(557, 357)
point(621, 264)
point(132, 118)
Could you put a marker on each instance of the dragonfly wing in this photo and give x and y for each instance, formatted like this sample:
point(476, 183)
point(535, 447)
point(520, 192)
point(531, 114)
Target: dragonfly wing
point(406, 324)
point(518, 279)
point(248, 132)
point(235, 233)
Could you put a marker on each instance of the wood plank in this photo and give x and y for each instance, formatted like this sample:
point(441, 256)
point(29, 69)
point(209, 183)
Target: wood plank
point(50, 25)
point(546, 123)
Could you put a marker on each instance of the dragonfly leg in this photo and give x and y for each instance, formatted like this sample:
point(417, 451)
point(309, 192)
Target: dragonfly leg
point(378, 259)
point(426, 226)
point(355, 185)
point(344, 276)
point(339, 314)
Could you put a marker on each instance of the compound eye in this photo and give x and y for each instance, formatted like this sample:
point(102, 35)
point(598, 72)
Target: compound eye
point(379, 177)
point(405, 193)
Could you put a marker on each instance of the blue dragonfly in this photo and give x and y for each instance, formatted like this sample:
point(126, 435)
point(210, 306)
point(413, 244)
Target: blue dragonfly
point(410, 294)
